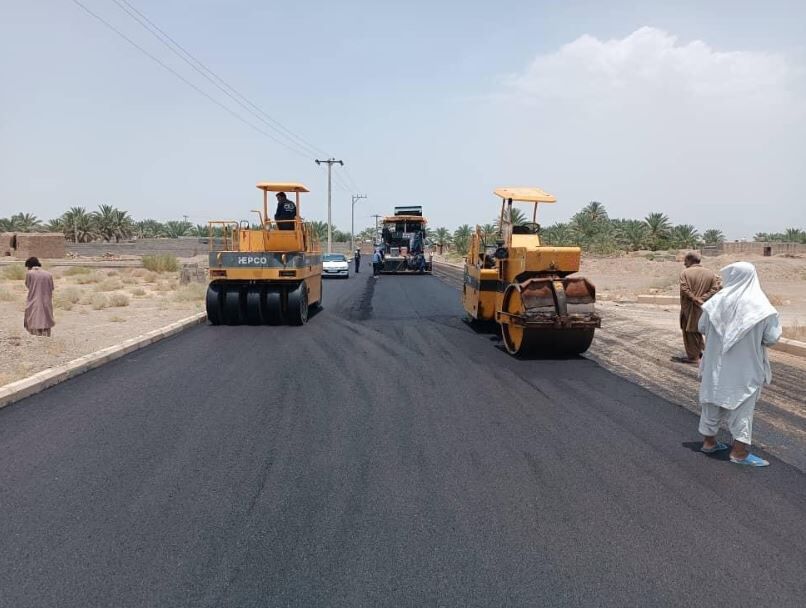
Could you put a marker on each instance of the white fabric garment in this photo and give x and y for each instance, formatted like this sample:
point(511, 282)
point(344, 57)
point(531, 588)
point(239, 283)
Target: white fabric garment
point(738, 421)
point(739, 305)
point(732, 373)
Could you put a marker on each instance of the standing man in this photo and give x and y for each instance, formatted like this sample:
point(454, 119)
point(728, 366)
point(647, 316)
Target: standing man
point(739, 324)
point(377, 260)
point(357, 259)
point(697, 284)
point(286, 212)
point(39, 305)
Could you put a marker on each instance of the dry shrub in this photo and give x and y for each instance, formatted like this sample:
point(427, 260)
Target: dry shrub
point(139, 272)
point(150, 277)
point(14, 272)
point(118, 299)
point(109, 285)
point(65, 298)
point(99, 301)
point(138, 291)
point(76, 270)
point(117, 319)
point(112, 273)
point(128, 280)
point(192, 292)
point(6, 295)
point(166, 286)
point(86, 279)
point(161, 263)
point(795, 332)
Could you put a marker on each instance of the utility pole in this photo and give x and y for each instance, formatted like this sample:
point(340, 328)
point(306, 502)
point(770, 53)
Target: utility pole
point(329, 162)
point(356, 198)
point(377, 217)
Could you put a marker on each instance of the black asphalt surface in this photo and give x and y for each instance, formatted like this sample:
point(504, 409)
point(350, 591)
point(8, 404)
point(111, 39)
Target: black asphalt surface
point(383, 455)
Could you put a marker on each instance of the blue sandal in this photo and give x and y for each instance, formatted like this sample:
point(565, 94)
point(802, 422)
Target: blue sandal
point(751, 460)
point(719, 447)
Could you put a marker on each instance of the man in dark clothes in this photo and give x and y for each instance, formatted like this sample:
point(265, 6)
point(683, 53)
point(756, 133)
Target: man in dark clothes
point(286, 212)
point(357, 259)
point(697, 284)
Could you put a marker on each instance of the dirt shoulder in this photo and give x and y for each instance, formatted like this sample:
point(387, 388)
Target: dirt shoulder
point(94, 308)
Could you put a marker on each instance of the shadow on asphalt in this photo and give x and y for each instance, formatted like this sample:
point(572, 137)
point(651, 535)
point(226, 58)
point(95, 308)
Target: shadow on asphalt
point(695, 446)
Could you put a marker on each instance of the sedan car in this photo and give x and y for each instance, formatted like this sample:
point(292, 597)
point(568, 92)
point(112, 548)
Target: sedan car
point(335, 265)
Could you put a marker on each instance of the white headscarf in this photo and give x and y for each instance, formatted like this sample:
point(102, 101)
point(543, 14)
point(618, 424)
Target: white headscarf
point(739, 305)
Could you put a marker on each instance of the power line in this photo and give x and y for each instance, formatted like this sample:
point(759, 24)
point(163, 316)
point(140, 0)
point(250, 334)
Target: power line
point(186, 81)
point(207, 73)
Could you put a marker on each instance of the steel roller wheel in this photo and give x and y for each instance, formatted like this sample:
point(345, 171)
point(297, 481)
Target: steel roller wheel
point(253, 305)
point(513, 335)
point(232, 306)
point(273, 306)
point(524, 341)
point(213, 304)
point(298, 305)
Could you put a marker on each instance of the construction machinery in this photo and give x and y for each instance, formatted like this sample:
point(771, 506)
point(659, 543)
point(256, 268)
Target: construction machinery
point(403, 241)
point(511, 278)
point(264, 273)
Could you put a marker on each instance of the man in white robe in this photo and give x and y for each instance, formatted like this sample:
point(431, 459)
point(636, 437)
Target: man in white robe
point(738, 324)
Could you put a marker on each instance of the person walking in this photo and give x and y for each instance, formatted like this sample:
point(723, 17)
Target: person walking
point(38, 318)
point(697, 285)
point(357, 259)
point(739, 324)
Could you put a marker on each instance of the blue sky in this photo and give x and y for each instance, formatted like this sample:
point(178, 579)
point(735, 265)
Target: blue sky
point(692, 108)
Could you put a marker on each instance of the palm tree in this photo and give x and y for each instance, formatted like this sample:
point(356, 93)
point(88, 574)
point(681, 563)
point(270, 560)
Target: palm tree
point(659, 229)
point(713, 236)
point(559, 235)
point(461, 238)
point(79, 226)
point(104, 220)
point(442, 238)
point(684, 236)
point(174, 229)
point(367, 234)
point(595, 211)
point(489, 233)
point(320, 230)
point(795, 235)
point(592, 228)
point(631, 234)
point(25, 222)
point(6, 225)
point(148, 229)
point(55, 225)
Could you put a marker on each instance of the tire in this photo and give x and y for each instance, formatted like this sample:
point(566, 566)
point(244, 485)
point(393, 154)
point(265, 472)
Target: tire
point(213, 304)
point(253, 297)
point(273, 306)
point(232, 306)
point(298, 305)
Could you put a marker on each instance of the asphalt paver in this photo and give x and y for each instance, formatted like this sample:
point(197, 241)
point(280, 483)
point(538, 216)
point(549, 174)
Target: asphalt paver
point(385, 454)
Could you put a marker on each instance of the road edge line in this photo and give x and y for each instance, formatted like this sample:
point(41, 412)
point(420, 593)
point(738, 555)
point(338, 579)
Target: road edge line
point(38, 382)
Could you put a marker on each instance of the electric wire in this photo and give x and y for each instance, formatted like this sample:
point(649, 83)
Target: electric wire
point(186, 81)
point(177, 49)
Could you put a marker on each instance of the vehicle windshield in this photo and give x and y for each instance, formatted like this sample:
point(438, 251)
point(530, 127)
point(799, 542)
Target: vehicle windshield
point(334, 257)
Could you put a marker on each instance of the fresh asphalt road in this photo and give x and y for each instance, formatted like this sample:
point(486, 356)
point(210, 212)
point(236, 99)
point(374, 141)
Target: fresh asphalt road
point(382, 455)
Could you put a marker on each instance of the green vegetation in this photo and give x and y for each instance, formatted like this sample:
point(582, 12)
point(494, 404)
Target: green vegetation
point(161, 263)
point(76, 270)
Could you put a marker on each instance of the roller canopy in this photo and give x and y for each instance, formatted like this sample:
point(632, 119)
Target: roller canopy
point(281, 187)
point(529, 195)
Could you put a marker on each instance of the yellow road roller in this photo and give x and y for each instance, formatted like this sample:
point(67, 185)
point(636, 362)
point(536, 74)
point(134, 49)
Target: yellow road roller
point(523, 286)
point(269, 272)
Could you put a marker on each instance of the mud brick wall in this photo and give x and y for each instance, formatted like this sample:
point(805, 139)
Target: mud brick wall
point(40, 245)
point(6, 243)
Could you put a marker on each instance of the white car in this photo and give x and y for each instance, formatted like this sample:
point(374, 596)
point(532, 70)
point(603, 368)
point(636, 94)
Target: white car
point(335, 265)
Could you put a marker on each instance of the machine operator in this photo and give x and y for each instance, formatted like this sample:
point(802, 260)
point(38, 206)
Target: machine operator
point(286, 212)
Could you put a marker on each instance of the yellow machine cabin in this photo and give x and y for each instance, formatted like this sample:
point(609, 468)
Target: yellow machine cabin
point(269, 272)
point(524, 286)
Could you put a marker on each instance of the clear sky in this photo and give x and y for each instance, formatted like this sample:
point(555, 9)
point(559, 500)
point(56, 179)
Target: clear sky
point(695, 108)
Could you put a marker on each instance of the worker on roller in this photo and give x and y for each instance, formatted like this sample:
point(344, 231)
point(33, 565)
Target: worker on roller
point(286, 212)
point(739, 324)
